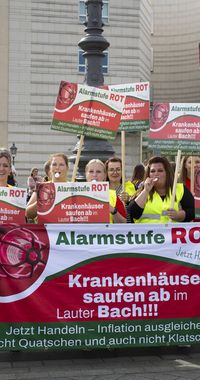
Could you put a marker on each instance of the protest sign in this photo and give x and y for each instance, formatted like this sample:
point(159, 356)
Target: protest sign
point(175, 126)
point(12, 205)
point(135, 115)
point(68, 202)
point(105, 286)
point(197, 191)
point(89, 111)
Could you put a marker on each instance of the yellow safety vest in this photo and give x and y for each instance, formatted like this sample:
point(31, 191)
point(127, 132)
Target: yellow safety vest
point(112, 201)
point(130, 188)
point(155, 211)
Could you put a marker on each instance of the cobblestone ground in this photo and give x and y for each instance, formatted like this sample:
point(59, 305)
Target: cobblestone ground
point(179, 364)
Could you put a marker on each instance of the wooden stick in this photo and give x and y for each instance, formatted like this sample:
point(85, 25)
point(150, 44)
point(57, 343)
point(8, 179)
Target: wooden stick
point(141, 140)
point(192, 175)
point(123, 153)
point(77, 158)
point(178, 158)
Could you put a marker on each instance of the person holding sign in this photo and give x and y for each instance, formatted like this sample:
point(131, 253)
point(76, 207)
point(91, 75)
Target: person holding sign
point(95, 171)
point(189, 166)
point(12, 199)
point(114, 176)
point(5, 167)
point(152, 204)
point(185, 172)
point(58, 173)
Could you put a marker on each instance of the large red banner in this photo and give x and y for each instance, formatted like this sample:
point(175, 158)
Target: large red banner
point(71, 287)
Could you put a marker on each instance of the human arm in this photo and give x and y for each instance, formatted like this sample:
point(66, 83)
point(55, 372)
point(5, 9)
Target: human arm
point(136, 206)
point(134, 211)
point(187, 211)
point(128, 192)
point(144, 193)
point(124, 196)
point(119, 211)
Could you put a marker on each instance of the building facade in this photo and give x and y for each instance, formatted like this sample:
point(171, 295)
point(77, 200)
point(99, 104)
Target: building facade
point(175, 64)
point(153, 40)
point(39, 48)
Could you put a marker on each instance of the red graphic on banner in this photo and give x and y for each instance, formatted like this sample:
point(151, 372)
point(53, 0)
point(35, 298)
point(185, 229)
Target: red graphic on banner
point(46, 194)
point(67, 94)
point(197, 182)
point(23, 257)
point(159, 115)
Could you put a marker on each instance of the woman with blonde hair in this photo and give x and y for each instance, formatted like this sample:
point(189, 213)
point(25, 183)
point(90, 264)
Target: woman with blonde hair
point(95, 170)
point(5, 167)
point(58, 172)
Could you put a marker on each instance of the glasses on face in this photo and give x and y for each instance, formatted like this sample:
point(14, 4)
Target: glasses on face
point(112, 170)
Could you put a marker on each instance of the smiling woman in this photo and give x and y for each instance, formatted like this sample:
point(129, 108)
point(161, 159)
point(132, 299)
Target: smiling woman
point(58, 170)
point(96, 171)
point(114, 173)
point(5, 167)
point(114, 176)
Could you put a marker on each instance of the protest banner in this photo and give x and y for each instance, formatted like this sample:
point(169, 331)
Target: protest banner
point(105, 286)
point(175, 126)
point(135, 115)
point(73, 202)
point(195, 184)
point(12, 205)
point(88, 111)
point(197, 191)
point(192, 174)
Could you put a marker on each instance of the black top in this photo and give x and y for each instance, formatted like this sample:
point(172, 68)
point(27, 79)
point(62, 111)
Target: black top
point(187, 204)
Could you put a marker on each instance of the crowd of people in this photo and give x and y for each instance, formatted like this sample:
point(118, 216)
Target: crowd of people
point(145, 198)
